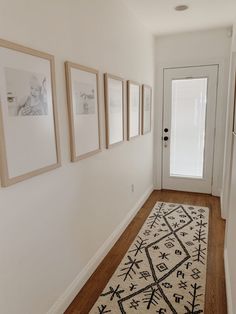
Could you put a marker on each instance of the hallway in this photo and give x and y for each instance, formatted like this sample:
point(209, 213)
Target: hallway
point(215, 301)
point(114, 113)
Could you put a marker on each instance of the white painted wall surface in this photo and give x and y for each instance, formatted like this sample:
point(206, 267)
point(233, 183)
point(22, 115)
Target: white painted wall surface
point(192, 49)
point(229, 188)
point(53, 224)
point(228, 134)
point(230, 250)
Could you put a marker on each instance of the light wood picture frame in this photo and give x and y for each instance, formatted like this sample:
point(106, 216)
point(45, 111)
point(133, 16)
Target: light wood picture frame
point(83, 107)
point(146, 109)
point(133, 109)
point(29, 135)
point(114, 109)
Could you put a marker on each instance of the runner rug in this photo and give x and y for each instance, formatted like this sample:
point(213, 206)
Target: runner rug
point(164, 270)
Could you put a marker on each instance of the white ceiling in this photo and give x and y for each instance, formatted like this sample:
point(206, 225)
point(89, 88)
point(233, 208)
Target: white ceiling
point(161, 18)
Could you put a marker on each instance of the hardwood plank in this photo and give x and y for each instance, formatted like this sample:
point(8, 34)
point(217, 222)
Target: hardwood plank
point(215, 301)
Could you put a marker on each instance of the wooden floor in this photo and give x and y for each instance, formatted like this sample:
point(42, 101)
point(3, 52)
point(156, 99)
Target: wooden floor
point(215, 302)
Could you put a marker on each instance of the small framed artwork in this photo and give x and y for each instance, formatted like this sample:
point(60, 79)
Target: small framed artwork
point(133, 109)
point(146, 108)
point(114, 109)
point(83, 106)
point(29, 135)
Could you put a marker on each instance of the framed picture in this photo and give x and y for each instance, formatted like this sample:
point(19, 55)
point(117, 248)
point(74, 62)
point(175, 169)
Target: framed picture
point(114, 109)
point(83, 105)
point(133, 110)
point(146, 108)
point(29, 138)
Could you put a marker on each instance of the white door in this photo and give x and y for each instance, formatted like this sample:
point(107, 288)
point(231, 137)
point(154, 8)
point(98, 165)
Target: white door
point(189, 128)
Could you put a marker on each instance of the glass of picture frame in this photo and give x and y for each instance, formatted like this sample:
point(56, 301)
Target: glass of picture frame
point(133, 109)
point(83, 106)
point(29, 136)
point(146, 108)
point(114, 109)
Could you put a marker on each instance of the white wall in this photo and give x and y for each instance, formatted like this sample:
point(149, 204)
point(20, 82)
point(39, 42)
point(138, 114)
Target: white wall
point(53, 224)
point(229, 126)
point(187, 49)
point(229, 188)
point(230, 249)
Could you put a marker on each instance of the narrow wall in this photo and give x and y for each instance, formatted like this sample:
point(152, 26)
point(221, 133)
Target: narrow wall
point(229, 196)
point(228, 134)
point(194, 49)
point(230, 254)
point(53, 224)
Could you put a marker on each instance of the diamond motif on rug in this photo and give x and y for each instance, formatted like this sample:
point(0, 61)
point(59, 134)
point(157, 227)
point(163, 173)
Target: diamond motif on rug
point(164, 270)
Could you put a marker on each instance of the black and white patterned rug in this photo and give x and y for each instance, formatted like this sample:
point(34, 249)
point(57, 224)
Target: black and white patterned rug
point(164, 270)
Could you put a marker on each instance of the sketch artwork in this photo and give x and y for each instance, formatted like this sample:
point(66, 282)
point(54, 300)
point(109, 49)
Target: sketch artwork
point(115, 98)
point(133, 109)
point(135, 99)
point(84, 98)
point(114, 109)
point(147, 102)
point(29, 135)
point(26, 93)
point(146, 109)
point(83, 105)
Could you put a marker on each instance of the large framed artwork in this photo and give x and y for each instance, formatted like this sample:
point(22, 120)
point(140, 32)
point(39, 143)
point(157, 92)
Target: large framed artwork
point(83, 106)
point(114, 109)
point(133, 109)
point(29, 138)
point(146, 108)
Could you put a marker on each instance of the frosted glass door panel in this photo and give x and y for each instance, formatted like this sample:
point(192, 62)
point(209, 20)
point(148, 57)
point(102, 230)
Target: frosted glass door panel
point(189, 128)
point(188, 123)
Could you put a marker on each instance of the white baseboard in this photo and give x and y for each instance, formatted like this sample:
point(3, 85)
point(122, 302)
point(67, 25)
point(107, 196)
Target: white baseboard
point(68, 296)
point(223, 207)
point(228, 285)
point(216, 191)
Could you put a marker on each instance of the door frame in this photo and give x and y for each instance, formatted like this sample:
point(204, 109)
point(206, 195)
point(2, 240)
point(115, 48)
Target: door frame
point(207, 113)
point(220, 112)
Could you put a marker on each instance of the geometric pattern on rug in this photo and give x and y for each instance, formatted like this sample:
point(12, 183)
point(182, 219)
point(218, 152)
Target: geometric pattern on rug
point(164, 270)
